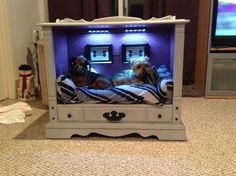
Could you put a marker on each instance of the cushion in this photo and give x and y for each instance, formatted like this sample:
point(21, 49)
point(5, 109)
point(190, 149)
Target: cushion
point(66, 90)
point(128, 93)
point(154, 91)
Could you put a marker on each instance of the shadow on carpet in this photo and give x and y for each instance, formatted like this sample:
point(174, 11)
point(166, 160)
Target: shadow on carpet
point(36, 130)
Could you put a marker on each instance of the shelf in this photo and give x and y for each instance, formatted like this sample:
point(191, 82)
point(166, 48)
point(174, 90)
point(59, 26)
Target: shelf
point(223, 49)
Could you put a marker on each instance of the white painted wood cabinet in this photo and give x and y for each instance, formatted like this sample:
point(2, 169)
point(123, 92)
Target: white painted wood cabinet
point(119, 119)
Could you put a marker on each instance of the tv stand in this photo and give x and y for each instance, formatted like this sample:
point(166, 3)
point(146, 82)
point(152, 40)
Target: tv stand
point(221, 61)
point(224, 49)
point(220, 79)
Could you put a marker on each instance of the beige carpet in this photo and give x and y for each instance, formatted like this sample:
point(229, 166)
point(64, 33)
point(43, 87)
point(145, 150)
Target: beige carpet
point(209, 150)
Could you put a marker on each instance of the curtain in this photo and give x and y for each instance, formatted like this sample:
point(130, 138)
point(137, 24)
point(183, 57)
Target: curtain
point(78, 9)
point(62, 9)
point(153, 8)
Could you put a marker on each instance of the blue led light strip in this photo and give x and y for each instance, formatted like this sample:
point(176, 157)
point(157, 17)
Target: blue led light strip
point(135, 30)
point(93, 31)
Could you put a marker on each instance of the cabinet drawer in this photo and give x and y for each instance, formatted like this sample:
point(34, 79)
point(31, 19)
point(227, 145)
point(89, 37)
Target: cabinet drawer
point(162, 114)
point(114, 114)
point(70, 114)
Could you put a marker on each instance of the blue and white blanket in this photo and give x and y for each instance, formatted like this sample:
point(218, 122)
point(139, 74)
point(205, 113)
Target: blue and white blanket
point(67, 92)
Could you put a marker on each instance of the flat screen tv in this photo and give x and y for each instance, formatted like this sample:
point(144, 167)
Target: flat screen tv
point(224, 23)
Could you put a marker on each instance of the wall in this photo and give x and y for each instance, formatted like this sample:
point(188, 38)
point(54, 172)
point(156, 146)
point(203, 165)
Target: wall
point(24, 15)
point(19, 18)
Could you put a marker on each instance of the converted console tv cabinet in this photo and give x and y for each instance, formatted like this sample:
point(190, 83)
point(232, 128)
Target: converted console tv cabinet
point(66, 38)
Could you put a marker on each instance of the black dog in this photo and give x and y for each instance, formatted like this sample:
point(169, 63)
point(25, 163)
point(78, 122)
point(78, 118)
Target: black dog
point(82, 76)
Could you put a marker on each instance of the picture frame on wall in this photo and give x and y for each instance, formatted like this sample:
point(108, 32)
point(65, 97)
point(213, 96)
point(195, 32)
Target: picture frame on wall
point(99, 54)
point(134, 50)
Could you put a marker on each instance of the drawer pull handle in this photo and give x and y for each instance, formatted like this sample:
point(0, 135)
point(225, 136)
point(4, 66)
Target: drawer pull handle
point(69, 115)
point(114, 116)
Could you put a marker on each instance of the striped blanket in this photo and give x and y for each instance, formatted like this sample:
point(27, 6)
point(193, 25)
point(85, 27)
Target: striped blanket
point(67, 92)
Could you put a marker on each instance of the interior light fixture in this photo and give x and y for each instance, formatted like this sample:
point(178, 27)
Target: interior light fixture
point(98, 31)
point(131, 30)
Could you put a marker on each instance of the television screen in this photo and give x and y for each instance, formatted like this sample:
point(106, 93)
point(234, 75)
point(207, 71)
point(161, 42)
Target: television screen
point(224, 23)
point(226, 18)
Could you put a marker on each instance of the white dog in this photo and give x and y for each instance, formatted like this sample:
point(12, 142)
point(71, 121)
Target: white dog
point(140, 67)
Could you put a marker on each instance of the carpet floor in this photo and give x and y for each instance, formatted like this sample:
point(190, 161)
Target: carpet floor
point(210, 148)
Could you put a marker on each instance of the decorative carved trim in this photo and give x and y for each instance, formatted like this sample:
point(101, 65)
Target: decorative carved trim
point(116, 20)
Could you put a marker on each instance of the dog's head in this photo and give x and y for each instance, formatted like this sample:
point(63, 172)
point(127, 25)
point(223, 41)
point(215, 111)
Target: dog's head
point(79, 66)
point(140, 66)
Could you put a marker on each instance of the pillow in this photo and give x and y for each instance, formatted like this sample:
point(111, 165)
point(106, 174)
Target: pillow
point(163, 71)
point(163, 86)
point(127, 93)
point(162, 79)
point(68, 93)
point(165, 82)
point(159, 77)
point(66, 90)
point(152, 76)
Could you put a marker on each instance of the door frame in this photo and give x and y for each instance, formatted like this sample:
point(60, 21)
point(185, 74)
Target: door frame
point(202, 45)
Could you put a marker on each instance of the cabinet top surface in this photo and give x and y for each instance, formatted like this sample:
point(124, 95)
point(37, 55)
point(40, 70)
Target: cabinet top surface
point(116, 21)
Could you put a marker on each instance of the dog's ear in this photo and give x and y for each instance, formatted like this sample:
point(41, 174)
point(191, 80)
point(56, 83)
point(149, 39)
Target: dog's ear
point(87, 64)
point(72, 65)
point(85, 61)
point(72, 62)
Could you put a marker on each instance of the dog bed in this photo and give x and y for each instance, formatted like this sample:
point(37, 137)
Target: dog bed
point(68, 93)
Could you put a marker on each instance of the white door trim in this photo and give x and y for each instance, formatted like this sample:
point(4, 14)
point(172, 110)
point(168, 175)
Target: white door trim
point(120, 8)
point(43, 10)
point(8, 74)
